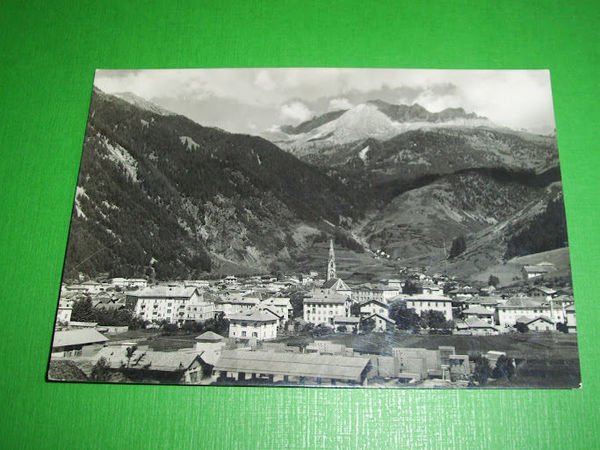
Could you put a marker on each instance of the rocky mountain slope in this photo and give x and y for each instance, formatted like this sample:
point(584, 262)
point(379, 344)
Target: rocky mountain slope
point(160, 195)
point(435, 176)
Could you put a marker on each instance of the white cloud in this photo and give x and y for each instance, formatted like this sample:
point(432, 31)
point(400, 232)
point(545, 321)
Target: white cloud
point(296, 111)
point(515, 98)
point(264, 81)
point(339, 103)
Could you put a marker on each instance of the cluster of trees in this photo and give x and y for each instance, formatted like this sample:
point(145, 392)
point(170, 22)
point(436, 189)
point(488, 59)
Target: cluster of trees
point(84, 311)
point(408, 319)
point(483, 371)
point(546, 231)
point(411, 287)
point(459, 245)
point(219, 325)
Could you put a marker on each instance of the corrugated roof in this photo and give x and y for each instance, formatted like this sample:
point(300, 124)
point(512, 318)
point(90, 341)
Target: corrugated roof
point(293, 364)
point(77, 337)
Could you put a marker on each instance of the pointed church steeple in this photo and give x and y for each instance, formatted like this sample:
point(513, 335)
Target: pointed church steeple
point(331, 273)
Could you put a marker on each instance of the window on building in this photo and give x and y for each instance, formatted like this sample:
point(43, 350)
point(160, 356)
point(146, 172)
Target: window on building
point(243, 333)
point(254, 334)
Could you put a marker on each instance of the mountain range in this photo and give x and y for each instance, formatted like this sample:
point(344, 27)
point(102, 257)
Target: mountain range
point(159, 195)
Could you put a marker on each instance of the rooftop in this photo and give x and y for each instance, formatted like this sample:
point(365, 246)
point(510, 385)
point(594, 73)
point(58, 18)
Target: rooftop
point(478, 310)
point(253, 316)
point(116, 357)
point(209, 336)
point(164, 292)
point(293, 364)
point(77, 337)
point(326, 297)
point(522, 302)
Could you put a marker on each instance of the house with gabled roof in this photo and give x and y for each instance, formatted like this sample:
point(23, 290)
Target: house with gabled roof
point(474, 326)
point(337, 285)
point(374, 307)
point(537, 270)
point(253, 324)
point(479, 312)
point(382, 322)
point(539, 323)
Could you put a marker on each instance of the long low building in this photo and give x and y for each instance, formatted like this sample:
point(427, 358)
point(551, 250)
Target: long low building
point(292, 368)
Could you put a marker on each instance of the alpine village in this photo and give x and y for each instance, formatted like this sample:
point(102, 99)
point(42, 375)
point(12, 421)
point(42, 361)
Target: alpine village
point(202, 257)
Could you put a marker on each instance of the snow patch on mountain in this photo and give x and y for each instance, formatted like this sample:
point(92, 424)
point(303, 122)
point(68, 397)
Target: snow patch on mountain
point(362, 122)
point(122, 158)
point(80, 193)
point(189, 143)
point(363, 153)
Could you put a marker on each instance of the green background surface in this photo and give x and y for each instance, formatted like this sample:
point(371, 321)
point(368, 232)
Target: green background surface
point(48, 53)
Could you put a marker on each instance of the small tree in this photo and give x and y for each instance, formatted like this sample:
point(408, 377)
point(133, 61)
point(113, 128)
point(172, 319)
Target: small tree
point(505, 368)
point(562, 327)
point(482, 370)
point(101, 370)
point(297, 302)
point(521, 327)
point(355, 309)
point(410, 287)
point(459, 245)
point(493, 281)
point(83, 311)
point(367, 325)
point(342, 329)
point(406, 319)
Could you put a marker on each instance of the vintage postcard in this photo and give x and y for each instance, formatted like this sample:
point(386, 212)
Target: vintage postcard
point(318, 227)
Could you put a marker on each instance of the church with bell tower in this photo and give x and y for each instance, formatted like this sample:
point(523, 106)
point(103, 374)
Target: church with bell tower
point(331, 273)
point(333, 283)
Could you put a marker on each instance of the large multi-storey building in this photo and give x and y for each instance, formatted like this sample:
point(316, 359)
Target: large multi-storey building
point(323, 306)
point(171, 304)
point(422, 302)
point(259, 325)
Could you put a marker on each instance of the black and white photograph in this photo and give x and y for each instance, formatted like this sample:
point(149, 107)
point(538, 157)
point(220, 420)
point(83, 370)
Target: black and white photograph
point(320, 227)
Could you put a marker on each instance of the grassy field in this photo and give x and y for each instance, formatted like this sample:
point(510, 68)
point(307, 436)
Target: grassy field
point(507, 273)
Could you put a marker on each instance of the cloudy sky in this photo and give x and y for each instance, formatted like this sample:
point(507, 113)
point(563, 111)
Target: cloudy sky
point(254, 100)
